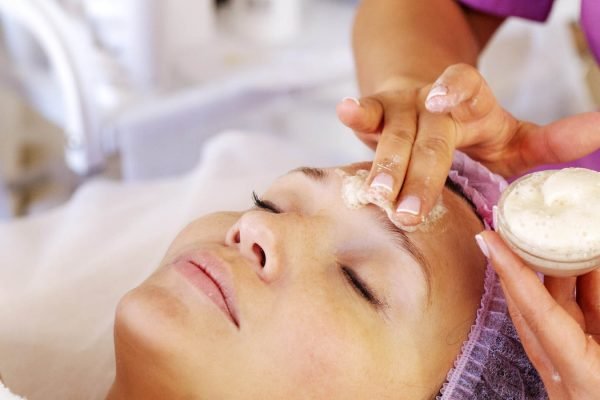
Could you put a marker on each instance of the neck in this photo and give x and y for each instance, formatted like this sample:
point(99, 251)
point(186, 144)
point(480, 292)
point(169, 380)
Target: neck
point(140, 374)
point(139, 389)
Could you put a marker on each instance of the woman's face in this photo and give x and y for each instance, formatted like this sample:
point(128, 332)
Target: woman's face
point(303, 299)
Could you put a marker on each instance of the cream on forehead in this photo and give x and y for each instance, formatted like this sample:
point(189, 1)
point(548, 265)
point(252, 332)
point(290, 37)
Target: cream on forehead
point(556, 213)
point(356, 194)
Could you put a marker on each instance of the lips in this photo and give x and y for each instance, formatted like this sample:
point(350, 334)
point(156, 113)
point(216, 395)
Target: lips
point(212, 277)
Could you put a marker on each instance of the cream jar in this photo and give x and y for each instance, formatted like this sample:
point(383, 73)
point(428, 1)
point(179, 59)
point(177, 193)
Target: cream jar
point(551, 219)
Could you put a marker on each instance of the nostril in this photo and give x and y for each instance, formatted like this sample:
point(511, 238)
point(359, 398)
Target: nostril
point(236, 238)
point(260, 254)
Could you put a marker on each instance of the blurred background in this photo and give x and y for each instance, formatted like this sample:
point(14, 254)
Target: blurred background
point(131, 89)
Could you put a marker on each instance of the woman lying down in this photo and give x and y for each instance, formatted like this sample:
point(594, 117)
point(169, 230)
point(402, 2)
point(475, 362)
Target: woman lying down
point(301, 297)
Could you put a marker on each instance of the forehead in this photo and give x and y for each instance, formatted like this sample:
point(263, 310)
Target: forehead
point(330, 181)
point(320, 189)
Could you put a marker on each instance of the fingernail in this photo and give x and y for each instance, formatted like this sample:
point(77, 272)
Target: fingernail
point(437, 90)
point(383, 181)
point(556, 376)
point(436, 100)
point(352, 99)
point(482, 245)
point(409, 205)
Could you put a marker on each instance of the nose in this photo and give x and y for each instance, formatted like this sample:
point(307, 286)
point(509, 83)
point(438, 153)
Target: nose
point(255, 235)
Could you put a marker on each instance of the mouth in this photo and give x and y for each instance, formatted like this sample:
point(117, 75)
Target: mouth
point(212, 277)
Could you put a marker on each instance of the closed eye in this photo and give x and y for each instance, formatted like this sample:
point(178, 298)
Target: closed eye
point(264, 204)
point(360, 287)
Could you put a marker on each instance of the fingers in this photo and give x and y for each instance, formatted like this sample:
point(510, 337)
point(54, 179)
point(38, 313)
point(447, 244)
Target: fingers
point(416, 163)
point(588, 297)
point(393, 151)
point(430, 162)
point(534, 350)
point(461, 90)
point(563, 291)
point(559, 335)
point(364, 115)
point(561, 141)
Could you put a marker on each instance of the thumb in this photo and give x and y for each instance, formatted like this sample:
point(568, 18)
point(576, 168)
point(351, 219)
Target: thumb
point(461, 90)
point(564, 140)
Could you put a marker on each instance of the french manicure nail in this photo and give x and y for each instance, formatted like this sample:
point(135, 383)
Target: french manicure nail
point(437, 99)
point(409, 205)
point(482, 245)
point(383, 181)
point(352, 99)
point(437, 104)
point(437, 90)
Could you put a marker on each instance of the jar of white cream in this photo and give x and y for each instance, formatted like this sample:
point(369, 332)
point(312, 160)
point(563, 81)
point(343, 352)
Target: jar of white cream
point(551, 219)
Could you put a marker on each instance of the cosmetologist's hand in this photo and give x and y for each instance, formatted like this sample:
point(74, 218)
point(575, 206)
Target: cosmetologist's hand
point(558, 322)
point(415, 131)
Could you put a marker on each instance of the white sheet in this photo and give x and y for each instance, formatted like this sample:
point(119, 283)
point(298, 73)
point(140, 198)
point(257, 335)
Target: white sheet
point(62, 273)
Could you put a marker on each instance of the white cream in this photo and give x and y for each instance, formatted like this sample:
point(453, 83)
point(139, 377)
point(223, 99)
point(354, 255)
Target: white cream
point(356, 194)
point(555, 214)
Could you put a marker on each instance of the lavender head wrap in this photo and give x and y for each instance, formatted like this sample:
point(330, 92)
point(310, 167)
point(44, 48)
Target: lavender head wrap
point(492, 363)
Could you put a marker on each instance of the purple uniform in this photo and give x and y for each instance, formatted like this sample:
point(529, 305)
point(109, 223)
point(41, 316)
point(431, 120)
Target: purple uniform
point(538, 10)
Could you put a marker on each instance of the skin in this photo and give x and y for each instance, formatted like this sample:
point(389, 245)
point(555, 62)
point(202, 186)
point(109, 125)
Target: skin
point(422, 98)
point(558, 322)
point(400, 48)
point(304, 331)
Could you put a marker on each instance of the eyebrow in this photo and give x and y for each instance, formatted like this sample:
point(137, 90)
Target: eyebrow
point(401, 238)
point(316, 174)
point(397, 235)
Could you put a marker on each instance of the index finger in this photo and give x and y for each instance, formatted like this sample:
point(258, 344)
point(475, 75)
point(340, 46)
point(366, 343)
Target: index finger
point(393, 151)
point(461, 90)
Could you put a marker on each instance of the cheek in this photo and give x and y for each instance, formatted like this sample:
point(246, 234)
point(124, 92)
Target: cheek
point(324, 348)
point(161, 318)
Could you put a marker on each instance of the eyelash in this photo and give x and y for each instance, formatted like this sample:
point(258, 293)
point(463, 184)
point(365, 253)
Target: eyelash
point(360, 287)
point(264, 205)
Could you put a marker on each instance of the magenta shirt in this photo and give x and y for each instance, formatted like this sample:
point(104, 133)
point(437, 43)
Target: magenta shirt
point(538, 10)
